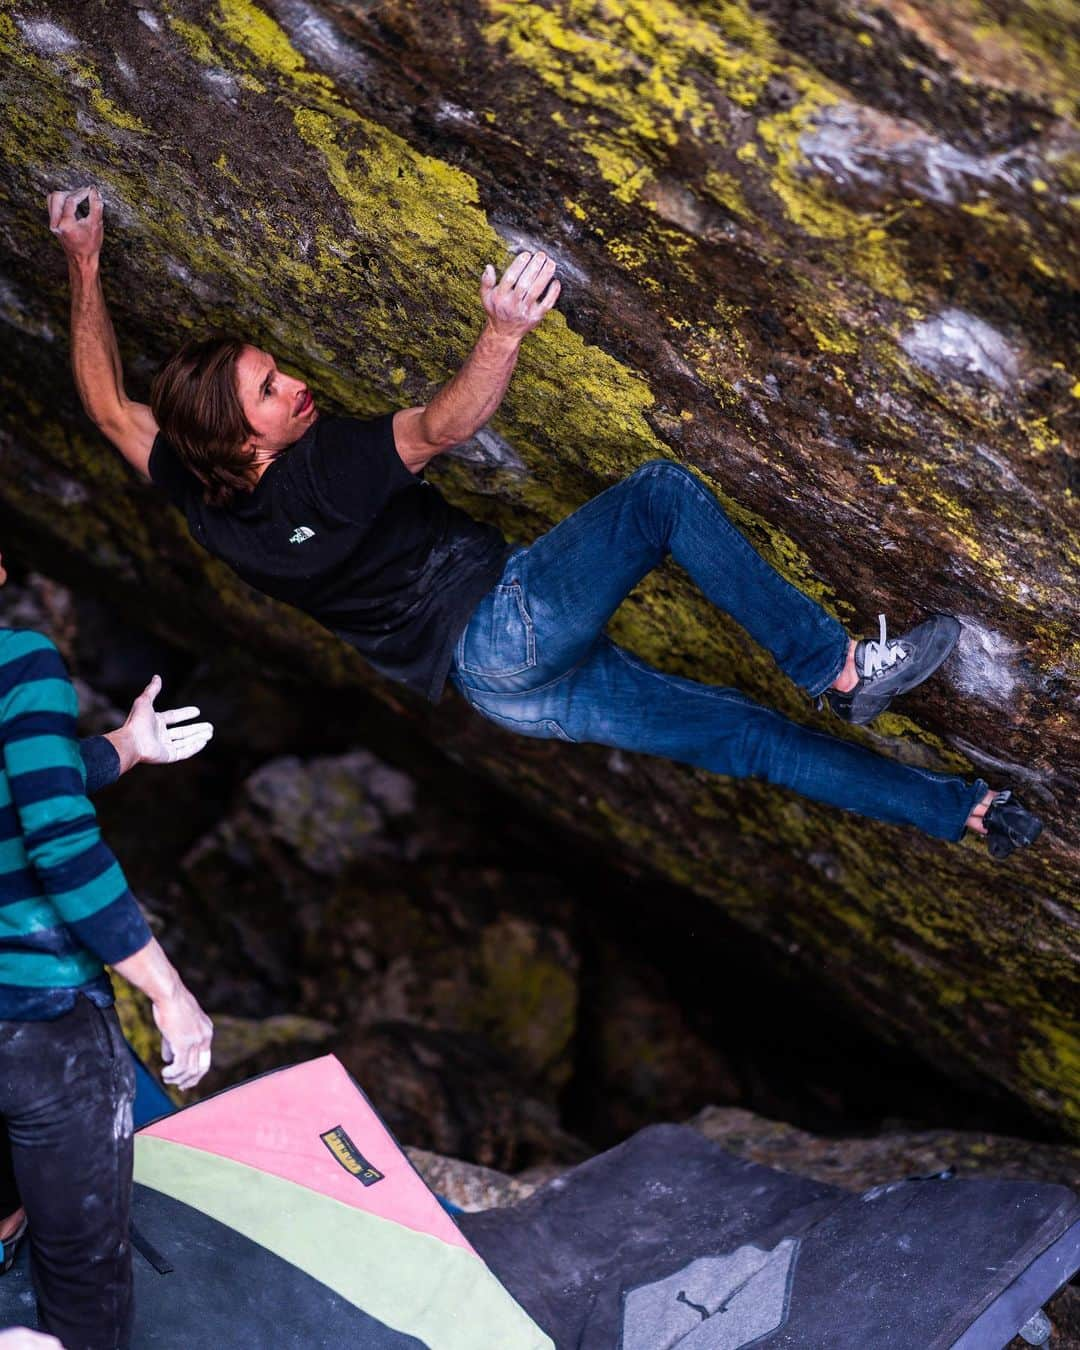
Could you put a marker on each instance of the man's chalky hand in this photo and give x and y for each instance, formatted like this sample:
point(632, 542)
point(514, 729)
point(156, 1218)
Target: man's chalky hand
point(522, 296)
point(81, 233)
point(186, 1036)
point(164, 737)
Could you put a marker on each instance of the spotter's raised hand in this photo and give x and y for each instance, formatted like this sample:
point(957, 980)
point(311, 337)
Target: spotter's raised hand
point(163, 737)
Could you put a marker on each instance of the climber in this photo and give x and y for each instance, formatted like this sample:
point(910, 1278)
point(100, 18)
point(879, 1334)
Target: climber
point(67, 1079)
point(331, 514)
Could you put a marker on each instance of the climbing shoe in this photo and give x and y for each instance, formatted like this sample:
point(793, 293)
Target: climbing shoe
point(9, 1247)
point(1009, 825)
point(889, 666)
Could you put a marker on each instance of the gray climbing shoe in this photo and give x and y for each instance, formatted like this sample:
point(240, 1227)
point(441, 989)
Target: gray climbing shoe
point(1009, 825)
point(890, 666)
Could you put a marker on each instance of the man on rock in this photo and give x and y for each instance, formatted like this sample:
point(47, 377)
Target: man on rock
point(67, 1080)
point(332, 515)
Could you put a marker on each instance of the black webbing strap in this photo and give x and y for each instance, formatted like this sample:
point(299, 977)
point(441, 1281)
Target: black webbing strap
point(161, 1263)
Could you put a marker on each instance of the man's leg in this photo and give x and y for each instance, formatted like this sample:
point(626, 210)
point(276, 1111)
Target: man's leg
point(68, 1087)
point(614, 698)
point(573, 578)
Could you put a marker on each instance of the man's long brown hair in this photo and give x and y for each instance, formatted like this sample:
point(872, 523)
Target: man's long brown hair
point(195, 402)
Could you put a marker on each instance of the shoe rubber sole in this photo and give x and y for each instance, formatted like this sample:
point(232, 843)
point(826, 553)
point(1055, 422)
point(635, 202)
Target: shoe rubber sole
point(1005, 840)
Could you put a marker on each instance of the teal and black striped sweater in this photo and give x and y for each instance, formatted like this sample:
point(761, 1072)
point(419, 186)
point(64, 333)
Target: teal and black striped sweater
point(65, 907)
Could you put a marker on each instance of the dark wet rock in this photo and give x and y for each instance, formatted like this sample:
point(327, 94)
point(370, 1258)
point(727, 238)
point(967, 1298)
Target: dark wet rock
point(860, 1163)
point(449, 1093)
point(754, 213)
point(645, 1059)
point(330, 812)
point(342, 891)
point(468, 1185)
point(238, 1041)
point(300, 930)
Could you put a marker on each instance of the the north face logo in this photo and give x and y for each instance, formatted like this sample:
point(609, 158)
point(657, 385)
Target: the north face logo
point(301, 533)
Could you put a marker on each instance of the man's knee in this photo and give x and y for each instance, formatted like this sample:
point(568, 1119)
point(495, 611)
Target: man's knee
point(666, 481)
point(668, 469)
point(661, 489)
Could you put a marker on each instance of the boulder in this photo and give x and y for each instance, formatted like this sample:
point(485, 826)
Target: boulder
point(825, 255)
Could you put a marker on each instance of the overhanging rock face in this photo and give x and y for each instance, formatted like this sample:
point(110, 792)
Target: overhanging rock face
point(826, 255)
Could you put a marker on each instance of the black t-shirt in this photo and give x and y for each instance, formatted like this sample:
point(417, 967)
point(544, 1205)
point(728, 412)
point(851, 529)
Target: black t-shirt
point(340, 528)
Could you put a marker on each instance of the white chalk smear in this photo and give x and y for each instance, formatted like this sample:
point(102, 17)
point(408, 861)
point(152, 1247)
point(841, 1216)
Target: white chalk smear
point(856, 144)
point(983, 663)
point(315, 35)
point(47, 37)
point(122, 1119)
point(518, 241)
point(220, 81)
point(488, 448)
point(956, 344)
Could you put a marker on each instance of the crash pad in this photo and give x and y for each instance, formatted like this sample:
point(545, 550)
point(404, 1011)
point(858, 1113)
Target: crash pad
point(667, 1242)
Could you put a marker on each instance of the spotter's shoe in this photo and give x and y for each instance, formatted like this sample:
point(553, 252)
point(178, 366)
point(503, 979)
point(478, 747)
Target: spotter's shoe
point(1009, 825)
point(890, 666)
point(9, 1247)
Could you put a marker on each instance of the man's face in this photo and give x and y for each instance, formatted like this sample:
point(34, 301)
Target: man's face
point(279, 408)
point(3, 572)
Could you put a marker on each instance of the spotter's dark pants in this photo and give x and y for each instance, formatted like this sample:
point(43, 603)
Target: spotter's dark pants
point(66, 1091)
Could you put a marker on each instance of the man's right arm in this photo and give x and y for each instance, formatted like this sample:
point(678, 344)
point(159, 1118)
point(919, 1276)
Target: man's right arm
point(95, 356)
point(514, 305)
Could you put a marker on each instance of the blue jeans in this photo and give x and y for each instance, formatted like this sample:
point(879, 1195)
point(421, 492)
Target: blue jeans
point(534, 658)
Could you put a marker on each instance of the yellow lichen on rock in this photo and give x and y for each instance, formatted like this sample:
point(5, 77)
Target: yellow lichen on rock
point(648, 66)
point(249, 26)
point(867, 248)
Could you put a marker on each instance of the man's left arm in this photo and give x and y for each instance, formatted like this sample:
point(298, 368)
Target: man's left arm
point(146, 737)
point(514, 306)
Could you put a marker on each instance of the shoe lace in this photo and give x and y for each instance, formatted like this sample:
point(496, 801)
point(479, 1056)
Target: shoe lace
point(881, 653)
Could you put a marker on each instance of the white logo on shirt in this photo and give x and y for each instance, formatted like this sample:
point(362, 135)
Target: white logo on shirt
point(301, 533)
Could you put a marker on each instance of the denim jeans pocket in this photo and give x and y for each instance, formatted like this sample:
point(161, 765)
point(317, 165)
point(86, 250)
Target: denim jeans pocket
point(499, 639)
point(545, 728)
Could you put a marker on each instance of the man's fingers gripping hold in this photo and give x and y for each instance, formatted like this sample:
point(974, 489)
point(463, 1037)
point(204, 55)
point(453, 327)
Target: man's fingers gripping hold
point(540, 280)
point(513, 272)
point(55, 202)
point(533, 269)
point(549, 299)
